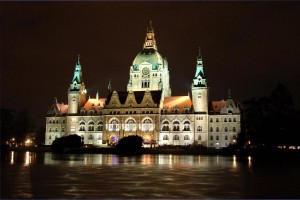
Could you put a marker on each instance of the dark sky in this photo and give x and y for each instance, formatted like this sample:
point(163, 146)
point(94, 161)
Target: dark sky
point(249, 47)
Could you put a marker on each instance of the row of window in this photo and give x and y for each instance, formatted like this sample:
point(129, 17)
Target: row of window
point(225, 120)
point(218, 137)
point(166, 127)
point(187, 137)
point(91, 126)
point(176, 137)
point(225, 129)
point(56, 129)
point(56, 121)
point(130, 112)
point(90, 137)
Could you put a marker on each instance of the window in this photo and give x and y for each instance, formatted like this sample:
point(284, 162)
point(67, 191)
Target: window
point(176, 137)
point(199, 128)
point(199, 137)
point(234, 129)
point(165, 137)
point(211, 120)
point(226, 137)
point(56, 129)
point(114, 125)
point(99, 137)
point(226, 129)
point(165, 126)
point(186, 126)
point(234, 119)
point(49, 137)
point(225, 120)
point(211, 129)
point(176, 126)
point(186, 137)
point(211, 137)
point(217, 120)
point(130, 125)
point(100, 126)
point(50, 130)
point(91, 137)
point(50, 122)
point(147, 125)
point(145, 82)
point(63, 129)
point(217, 129)
point(91, 126)
point(229, 119)
point(82, 126)
point(64, 121)
point(217, 137)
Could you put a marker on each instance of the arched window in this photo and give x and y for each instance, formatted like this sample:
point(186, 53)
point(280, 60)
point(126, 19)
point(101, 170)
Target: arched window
point(234, 119)
point(91, 126)
point(211, 129)
point(50, 121)
point(176, 137)
point(226, 137)
point(130, 125)
point(217, 129)
point(91, 137)
point(217, 137)
point(199, 137)
point(211, 120)
point(49, 137)
point(186, 126)
point(50, 130)
point(165, 126)
point(211, 137)
point(186, 137)
point(229, 119)
point(226, 129)
point(176, 126)
point(82, 126)
point(56, 129)
point(217, 120)
point(147, 125)
point(165, 137)
point(199, 128)
point(100, 126)
point(225, 119)
point(114, 125)
point(233, 129)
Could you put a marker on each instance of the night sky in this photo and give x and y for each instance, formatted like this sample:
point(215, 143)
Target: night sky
point(249, 47)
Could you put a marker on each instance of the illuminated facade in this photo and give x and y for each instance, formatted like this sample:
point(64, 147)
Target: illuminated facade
point(146, 109)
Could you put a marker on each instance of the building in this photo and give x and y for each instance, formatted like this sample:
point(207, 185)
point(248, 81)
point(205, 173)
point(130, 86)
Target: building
point(146, 109)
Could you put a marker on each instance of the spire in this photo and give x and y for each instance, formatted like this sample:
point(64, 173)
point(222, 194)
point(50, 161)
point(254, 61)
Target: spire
point(150, 42)
point(78, 61)
point(109, 86)
point(78, 72)
point(199, 79)
point(229, 94)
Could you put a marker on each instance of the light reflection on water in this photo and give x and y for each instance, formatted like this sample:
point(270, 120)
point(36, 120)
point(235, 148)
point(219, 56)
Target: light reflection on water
point(47, 175)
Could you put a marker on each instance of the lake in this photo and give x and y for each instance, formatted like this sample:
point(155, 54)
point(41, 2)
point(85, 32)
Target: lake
point(97, 176)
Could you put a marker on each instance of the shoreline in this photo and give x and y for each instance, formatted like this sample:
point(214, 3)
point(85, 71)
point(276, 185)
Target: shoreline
point(260, 154)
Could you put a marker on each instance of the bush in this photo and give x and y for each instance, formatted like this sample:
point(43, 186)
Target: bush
point(130, 145)
point(66, 143)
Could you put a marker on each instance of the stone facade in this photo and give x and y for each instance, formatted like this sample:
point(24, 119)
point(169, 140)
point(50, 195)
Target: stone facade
point(146, 109)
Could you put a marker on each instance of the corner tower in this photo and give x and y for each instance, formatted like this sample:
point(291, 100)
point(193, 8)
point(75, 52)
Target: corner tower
point(199, 88)
point(77, 91)
point(149, 70)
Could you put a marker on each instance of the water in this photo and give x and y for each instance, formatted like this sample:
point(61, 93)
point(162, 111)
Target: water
point(96, 176)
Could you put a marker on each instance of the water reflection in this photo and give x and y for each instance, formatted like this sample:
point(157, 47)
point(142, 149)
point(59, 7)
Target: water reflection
point(47, 175)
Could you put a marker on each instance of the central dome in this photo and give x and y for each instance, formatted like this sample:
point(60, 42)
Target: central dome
point(150, 56)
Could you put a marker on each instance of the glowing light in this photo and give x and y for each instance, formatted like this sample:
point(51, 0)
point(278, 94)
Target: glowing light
point(234, 161)
point(249, 161)
point(12, 159)
point(27, 158)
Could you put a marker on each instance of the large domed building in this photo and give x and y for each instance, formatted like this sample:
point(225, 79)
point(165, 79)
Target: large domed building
point(146, 109)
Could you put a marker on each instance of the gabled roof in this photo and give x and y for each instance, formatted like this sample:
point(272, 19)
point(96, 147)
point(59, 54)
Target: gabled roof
point(139, 96)
point(95, 103)
point(177, 101)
